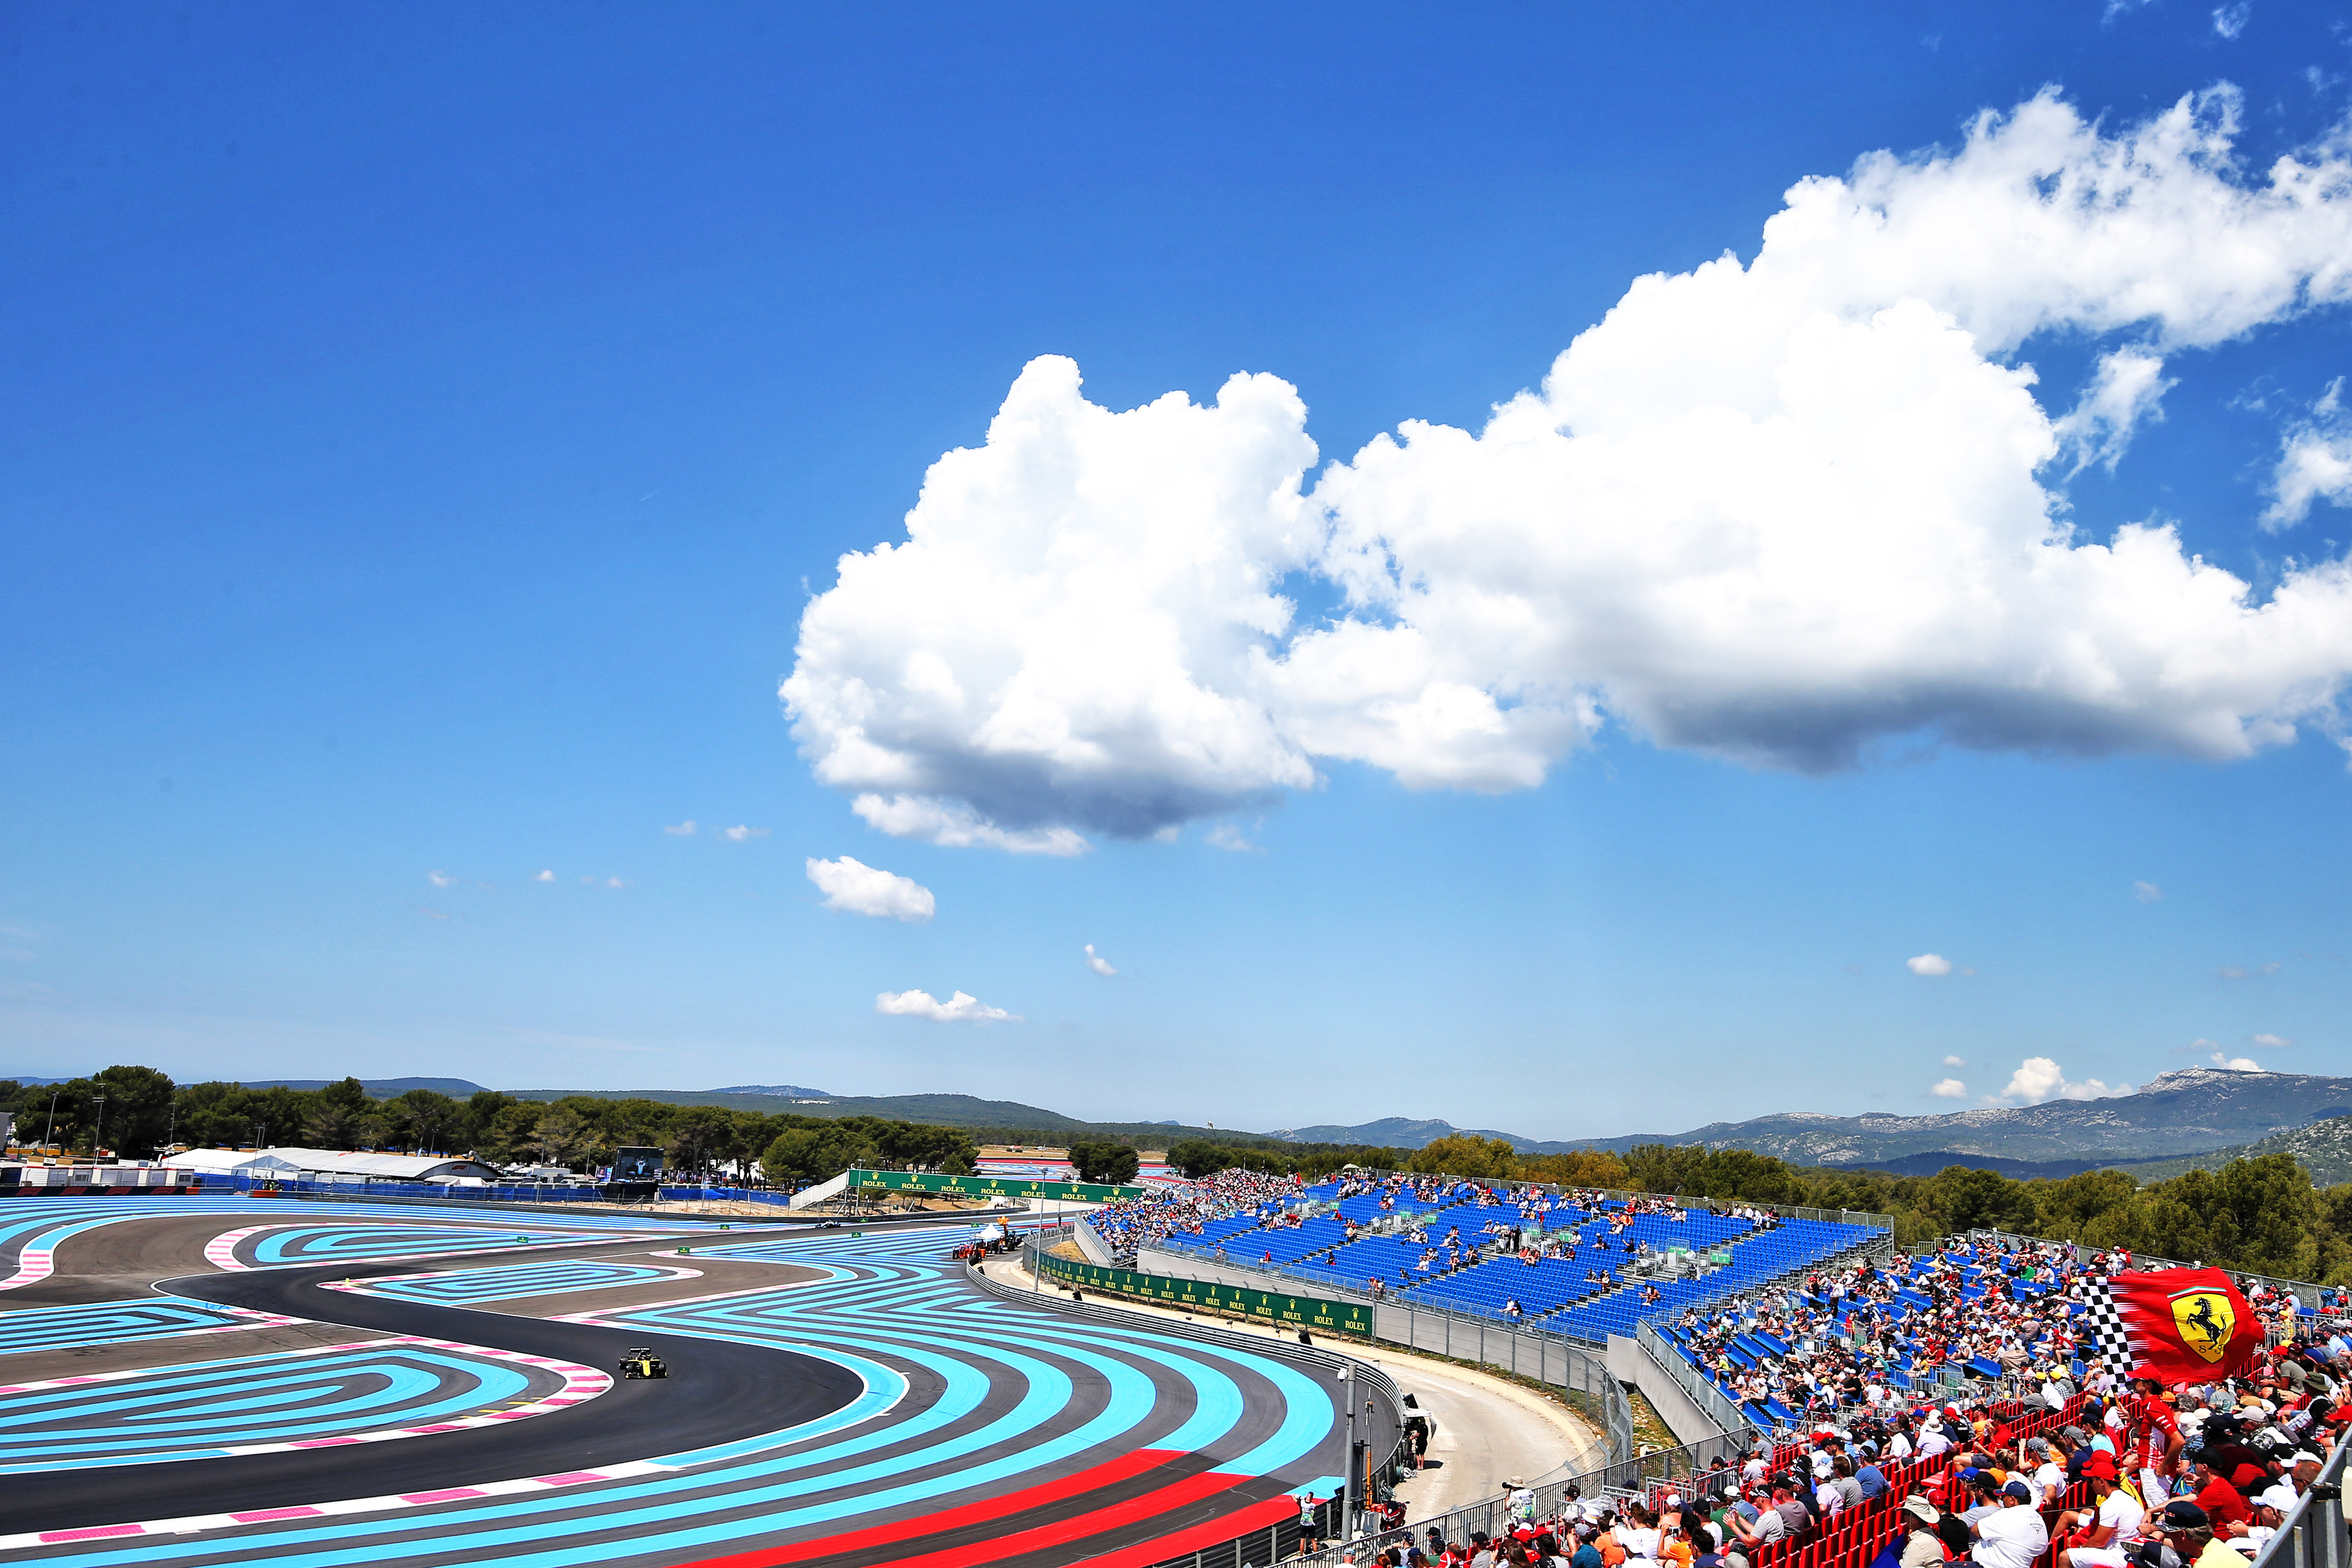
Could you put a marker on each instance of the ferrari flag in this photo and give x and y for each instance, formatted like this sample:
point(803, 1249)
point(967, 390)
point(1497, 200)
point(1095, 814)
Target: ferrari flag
point(2184, 1325)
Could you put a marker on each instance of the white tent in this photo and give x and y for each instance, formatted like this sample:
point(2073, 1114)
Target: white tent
point(334, 1165)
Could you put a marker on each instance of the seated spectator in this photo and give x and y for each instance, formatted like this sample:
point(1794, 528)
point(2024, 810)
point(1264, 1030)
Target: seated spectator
point(2013, 1535)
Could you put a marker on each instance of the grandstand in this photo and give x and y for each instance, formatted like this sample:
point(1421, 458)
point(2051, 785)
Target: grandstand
point(1586, 1269)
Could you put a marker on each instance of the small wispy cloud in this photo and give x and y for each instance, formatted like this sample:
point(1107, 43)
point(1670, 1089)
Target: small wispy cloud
point(2147, 892)
point(739, 833)
point(441, 878)
point(615, 882)
point(548, 876)
point(431, 914)
point(683, 830)
point(963, 1008)
point(1948, 1089)
point(1096, 963)
point(2273, 1042)
point(2230, 20)
point(1954, 1062)
point(2238, 972)
point(1225, 836)
point(1928, 963)
point(853, 887)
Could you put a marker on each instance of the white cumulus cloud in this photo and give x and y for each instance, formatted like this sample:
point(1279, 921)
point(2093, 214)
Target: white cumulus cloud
point(1096, 963)
point(1954, 1062)
point(936, 821)
point(2229, 1063)
point(1948, 1089)
point(682, 830)
point(2147, 892)
point(1783, 511)
point(1930, 964)
point(2038, 1078)
point(741, 834)
point(862, 890)
point(960, 1008)
point(546, 876)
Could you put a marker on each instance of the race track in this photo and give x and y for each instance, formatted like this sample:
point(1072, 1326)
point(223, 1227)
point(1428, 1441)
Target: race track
point(835, 1398)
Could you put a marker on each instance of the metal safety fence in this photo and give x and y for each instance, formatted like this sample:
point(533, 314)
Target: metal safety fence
point(2313, 1534)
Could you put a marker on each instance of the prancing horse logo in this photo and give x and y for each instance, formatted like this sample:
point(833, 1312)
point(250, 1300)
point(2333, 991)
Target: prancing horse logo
point(2205, 1320)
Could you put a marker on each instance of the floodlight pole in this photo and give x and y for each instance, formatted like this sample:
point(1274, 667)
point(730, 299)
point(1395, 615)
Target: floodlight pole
point(49, 1131)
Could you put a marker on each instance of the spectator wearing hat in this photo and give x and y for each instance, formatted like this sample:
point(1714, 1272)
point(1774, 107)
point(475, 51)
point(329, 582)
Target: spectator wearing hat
point(2184, 1527)
point(2046, 1476)
point(1922, 1547)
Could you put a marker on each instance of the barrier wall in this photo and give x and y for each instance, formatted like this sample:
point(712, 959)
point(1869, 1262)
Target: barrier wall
point(1265, 1306)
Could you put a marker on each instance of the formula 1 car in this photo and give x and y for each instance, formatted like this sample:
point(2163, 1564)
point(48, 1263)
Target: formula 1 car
point(642, 1363)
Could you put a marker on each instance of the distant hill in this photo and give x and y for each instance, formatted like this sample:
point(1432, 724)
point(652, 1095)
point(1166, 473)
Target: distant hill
point(377, 1088)
point(1005, 1120)
point(2187, 1111)
point(1406, 1133)
point(2323, 1148)
point(2015, 1170)
point(939, 1110)
point(783, 1091)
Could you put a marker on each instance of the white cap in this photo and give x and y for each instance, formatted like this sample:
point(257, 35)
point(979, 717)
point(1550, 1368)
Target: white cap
point(2280, 1497)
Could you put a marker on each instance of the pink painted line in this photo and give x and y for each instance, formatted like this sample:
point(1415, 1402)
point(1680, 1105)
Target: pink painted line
point(451, 1495)
point(263, 1516)
point(94, 1532)
point(34, 1264)
point(220, 1250)
point(574, 1479)
point(327, 1442)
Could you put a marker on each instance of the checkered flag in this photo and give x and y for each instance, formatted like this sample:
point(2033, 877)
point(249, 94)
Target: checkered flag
point(2102, 1328)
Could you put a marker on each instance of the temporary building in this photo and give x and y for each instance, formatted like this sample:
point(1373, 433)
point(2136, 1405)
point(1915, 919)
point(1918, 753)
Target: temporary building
point(335, 1165)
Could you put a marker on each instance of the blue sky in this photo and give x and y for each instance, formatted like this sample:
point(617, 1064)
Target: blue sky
point(427, 427)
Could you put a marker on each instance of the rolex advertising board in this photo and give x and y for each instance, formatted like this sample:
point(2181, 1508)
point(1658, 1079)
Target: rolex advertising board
point(1201, 1296)
point(933, 1182)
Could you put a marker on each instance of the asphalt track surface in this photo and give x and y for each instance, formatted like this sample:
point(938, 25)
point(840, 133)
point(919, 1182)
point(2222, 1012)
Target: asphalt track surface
point(873, 1407)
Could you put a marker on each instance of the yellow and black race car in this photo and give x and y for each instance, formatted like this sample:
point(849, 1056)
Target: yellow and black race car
point(642, 1363)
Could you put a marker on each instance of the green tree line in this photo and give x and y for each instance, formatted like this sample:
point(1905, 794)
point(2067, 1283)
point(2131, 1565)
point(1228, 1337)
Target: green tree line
point(137, 1112)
